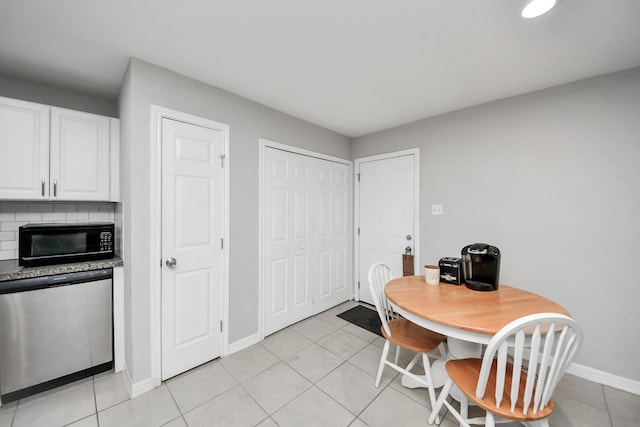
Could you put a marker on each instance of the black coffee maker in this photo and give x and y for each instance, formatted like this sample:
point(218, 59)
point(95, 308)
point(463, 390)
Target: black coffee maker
point(481, 266)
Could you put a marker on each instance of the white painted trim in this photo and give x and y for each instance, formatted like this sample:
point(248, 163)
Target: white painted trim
point(136, 389)
point(415, 152)
point(157, 114)
point(142, 387)
point(118, 318)
point(243, 343)
point(290, 148)
point(605, 378)
point(265, 143)
point(126, 377)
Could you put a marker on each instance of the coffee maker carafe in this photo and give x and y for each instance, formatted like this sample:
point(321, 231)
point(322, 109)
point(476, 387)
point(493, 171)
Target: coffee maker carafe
point(481, 266)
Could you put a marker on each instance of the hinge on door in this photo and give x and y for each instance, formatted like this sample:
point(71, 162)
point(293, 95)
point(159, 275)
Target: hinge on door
point(221, 326)
point(221, 243)
point(222, 157)
point(358, 175)
point(358, 231)
point(358, 284)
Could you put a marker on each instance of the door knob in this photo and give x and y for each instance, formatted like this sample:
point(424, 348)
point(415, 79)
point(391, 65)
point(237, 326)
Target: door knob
point(409, 237)
point(171, 262)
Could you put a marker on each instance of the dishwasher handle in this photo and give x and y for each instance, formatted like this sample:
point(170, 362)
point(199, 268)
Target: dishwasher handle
point(34, 283)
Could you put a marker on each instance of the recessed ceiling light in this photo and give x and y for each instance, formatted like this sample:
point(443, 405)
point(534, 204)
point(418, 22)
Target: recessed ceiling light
point(537, 7)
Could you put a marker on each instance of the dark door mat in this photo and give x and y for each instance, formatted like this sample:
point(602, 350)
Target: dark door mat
point(364, 317)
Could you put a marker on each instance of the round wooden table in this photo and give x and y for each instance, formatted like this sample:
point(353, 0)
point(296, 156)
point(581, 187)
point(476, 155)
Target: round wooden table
point(468, 318)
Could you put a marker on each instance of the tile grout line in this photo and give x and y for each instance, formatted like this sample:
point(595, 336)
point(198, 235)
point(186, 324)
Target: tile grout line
point(606, 404)
point(95, 400)
point(175, 403)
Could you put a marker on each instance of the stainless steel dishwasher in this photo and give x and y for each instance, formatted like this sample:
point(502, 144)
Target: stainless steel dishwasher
point(54, 330)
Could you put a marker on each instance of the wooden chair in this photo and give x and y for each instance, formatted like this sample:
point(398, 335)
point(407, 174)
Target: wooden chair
point(404, 334)
point(518, 389)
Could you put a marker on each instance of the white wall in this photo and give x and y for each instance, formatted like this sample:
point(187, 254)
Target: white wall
point(145, 85)
point(28, 90)
point(553, 179)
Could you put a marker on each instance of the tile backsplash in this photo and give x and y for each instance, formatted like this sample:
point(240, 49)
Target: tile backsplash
point(15, 214)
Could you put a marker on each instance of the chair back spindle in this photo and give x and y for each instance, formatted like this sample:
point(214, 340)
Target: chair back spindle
point(549, 340)
point(379, 276)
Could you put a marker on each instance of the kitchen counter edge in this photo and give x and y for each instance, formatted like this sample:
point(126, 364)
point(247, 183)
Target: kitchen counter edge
point(10, 270)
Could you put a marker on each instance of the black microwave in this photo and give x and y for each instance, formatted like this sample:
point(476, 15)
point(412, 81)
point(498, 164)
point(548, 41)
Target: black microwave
point(60, 243)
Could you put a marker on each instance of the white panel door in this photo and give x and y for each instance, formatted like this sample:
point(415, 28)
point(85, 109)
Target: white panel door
point(24, 150)
point(387, 205)
point(287, 197)
point(192, 232)
point(333, 233)
point(306, 236)
point(80, 156)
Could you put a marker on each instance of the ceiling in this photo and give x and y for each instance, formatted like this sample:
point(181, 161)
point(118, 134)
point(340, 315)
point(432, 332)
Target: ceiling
point(353, 66)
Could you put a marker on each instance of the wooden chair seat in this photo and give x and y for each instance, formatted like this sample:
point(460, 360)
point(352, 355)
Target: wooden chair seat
point(403, 334)
point(465, 374)
point(505, 383)
point(411, 336)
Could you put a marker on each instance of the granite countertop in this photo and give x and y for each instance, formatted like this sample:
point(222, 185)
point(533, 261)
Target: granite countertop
point(10, 270)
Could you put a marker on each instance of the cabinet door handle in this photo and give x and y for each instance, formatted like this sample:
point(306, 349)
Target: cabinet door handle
point(55, 188)
point(43, 187)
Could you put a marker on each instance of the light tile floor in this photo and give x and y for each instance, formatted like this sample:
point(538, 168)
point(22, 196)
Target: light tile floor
point(317, 372)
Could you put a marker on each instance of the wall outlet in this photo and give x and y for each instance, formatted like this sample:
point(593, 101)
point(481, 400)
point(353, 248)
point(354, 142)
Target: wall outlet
point(437, 210)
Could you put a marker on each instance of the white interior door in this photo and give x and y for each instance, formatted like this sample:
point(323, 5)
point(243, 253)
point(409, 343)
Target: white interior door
point(287, 198)
point(306, 236)
point(333, 195)
point(193, 258)
point(387, 214)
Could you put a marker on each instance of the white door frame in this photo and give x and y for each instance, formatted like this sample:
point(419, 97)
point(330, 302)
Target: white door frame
point(356, 215)
point(265, 143)
point(155, 225)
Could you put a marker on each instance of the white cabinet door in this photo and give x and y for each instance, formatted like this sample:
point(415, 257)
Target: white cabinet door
point(80, 156)
point(24, 150)
point(114, 161)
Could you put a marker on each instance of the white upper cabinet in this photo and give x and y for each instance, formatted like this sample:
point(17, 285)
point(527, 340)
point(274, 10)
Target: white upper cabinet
point(24, 150)
point(51, 153)
point(79, 165)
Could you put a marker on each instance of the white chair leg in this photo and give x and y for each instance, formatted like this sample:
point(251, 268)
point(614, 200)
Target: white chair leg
point(383, 359)
point(464, 407)
point(397, 354)
point(444, 393)
point(490, 422)
point(430, 388)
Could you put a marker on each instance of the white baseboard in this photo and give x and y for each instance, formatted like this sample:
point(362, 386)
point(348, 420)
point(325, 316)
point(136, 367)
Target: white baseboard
point(142, 387)
point(127, 378)
point(600, 377)
point(139, 388)
point(148, 384)
point(243, 343)
point(605, 378)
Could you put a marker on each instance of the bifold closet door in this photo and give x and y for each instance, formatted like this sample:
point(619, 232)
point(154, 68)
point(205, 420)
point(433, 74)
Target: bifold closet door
point(332, 230)
point(306, 249)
